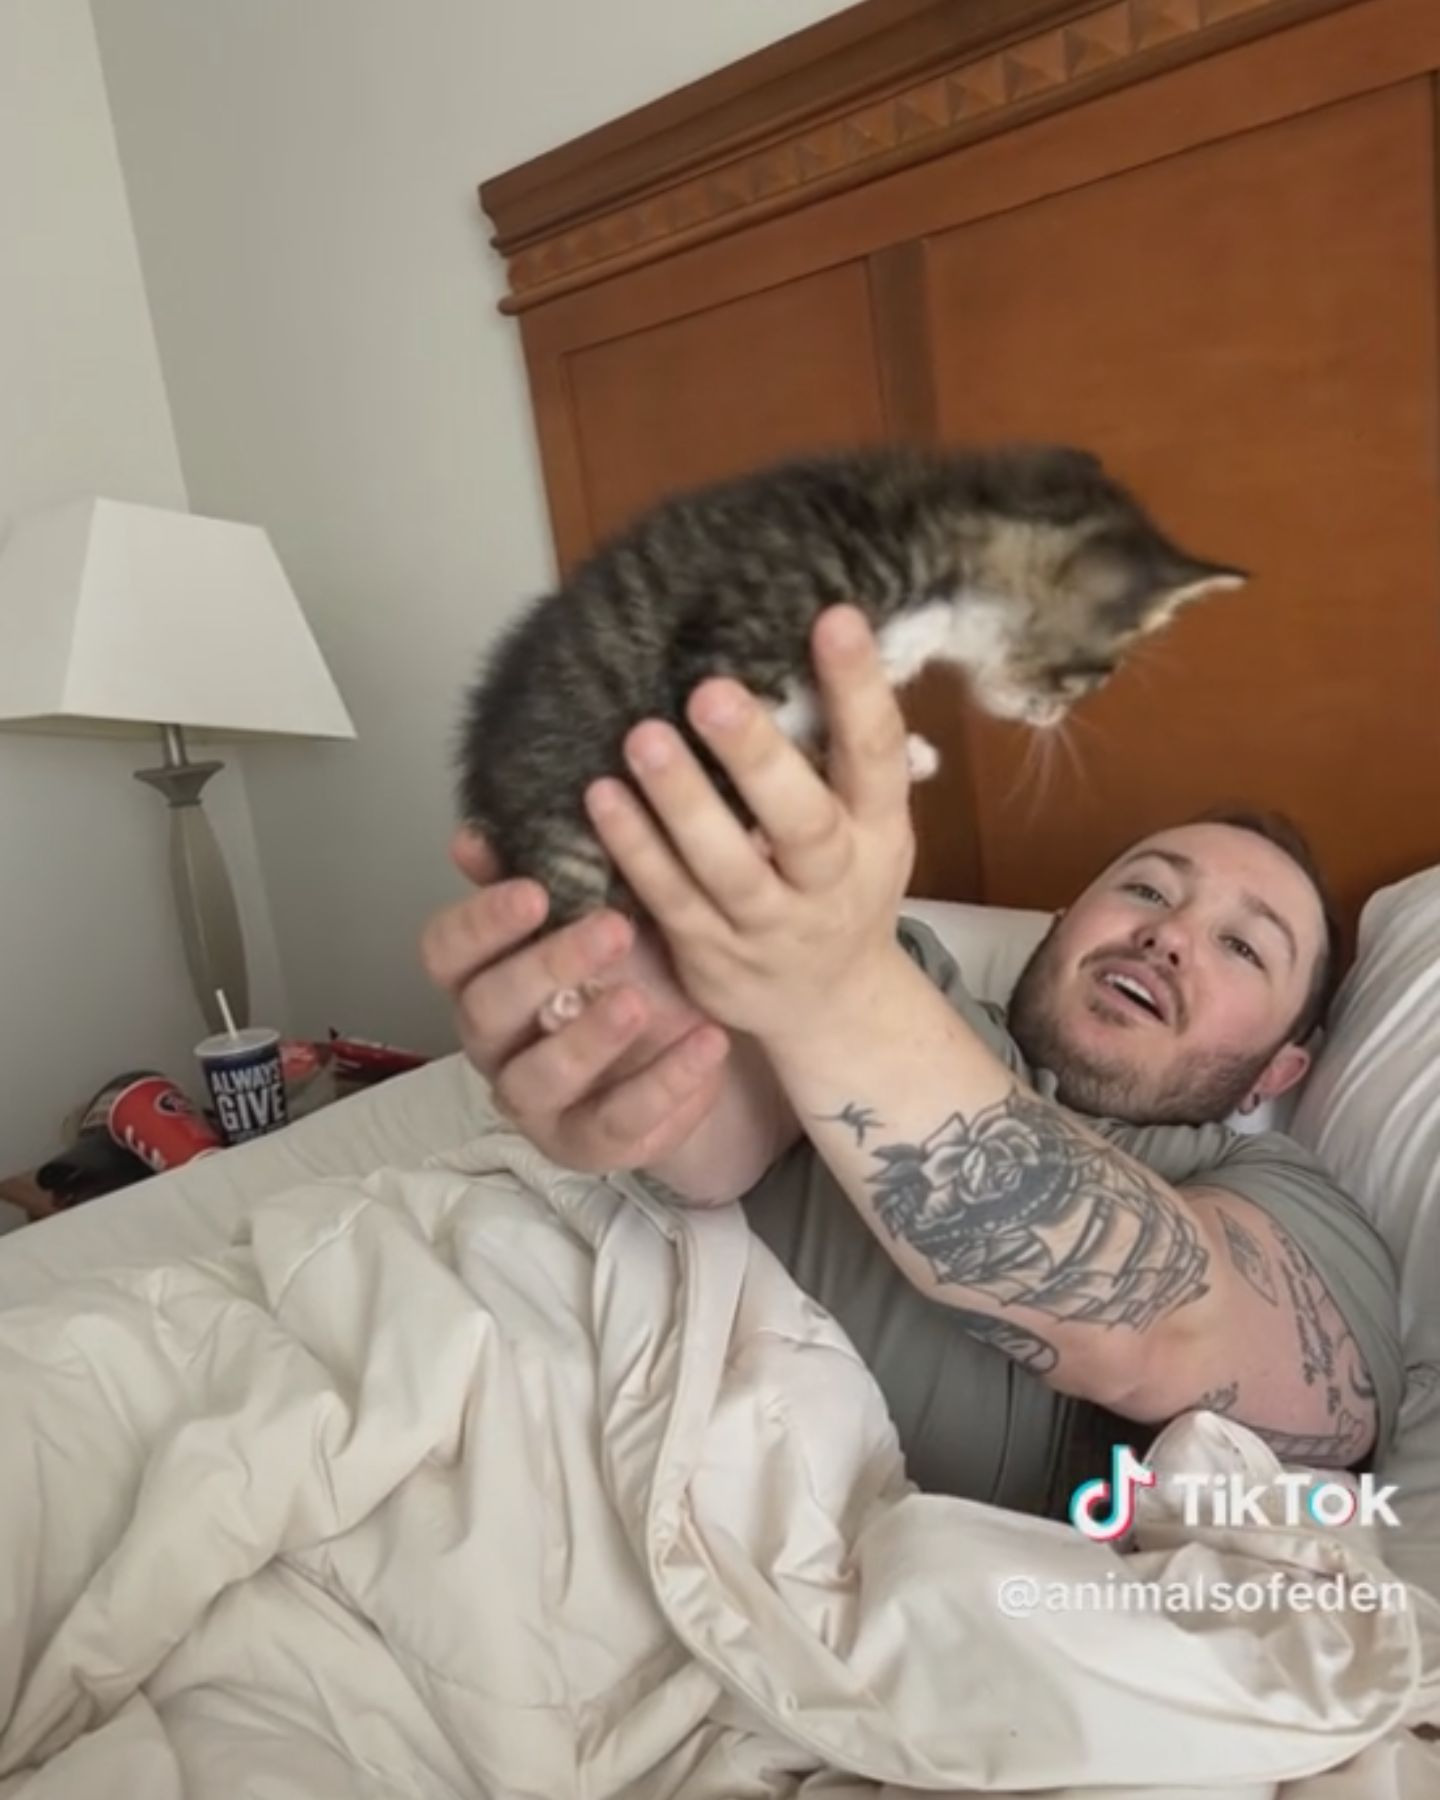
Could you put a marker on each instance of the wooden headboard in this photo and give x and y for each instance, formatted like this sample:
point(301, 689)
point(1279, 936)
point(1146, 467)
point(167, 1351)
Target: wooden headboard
point(1197, 236)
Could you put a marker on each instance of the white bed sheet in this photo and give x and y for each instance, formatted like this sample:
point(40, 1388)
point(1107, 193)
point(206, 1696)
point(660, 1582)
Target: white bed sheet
point(401, 1125)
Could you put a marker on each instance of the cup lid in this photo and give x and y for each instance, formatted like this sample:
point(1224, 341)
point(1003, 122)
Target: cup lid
point(244, 1043)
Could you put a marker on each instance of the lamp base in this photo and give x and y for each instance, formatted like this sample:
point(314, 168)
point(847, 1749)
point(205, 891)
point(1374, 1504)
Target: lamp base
point(204, 897)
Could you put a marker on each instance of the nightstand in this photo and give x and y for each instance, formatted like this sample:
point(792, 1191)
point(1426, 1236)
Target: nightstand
point(23, 1191)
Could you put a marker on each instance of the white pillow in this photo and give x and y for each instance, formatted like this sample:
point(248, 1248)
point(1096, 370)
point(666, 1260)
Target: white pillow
point(1371, 1106)
point(992, 944)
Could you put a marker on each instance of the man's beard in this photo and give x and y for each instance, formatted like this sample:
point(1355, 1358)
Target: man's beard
point(1201, 1088)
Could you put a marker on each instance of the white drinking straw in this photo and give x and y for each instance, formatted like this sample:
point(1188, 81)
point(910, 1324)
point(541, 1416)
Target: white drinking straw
point(225, 1012)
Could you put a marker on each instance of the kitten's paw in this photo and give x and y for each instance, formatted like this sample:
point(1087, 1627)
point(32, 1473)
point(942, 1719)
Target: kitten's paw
point(921, 757)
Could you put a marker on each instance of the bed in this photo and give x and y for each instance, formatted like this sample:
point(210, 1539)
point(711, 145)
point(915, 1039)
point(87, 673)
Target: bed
point(267, 1679)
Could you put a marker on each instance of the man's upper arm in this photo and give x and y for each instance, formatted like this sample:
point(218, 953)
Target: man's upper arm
point(1302, 1341)
point(1275, 1351)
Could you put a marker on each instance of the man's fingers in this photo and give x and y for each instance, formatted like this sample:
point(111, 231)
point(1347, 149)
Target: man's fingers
point(463, 939)
point(646, 1116)
point(673, 1129)
point(501, 1007)
point(798, 816)
point(656, 875)
point(867, 762)
point(547, 1077)
point(559, 1074)
point(477, 952)
point(472, 856)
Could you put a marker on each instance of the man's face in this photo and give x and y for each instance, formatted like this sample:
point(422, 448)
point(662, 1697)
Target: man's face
point(1168, 991)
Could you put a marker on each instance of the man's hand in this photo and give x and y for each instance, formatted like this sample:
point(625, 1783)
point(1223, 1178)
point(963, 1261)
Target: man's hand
point(773, 945)
point(625, 1084)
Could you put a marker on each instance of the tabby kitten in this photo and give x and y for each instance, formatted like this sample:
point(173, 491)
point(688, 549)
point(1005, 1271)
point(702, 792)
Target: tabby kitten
point(1029, 568)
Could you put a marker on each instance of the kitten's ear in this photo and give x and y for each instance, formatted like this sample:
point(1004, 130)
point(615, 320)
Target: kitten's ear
point(1186, 579)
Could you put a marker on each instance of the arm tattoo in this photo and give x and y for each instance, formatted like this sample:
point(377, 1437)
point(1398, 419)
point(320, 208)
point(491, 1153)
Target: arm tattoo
point(859, 1118)
point(1020, 1205)
point(1337, 1448)
point(1249, 1258)
point(1307, 1298)
point(1026, 1347)
point(1324, 1356)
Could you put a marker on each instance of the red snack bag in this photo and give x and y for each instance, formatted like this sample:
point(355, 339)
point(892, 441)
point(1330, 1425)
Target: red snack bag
point(363, 1062)
point(301, 1060)
point(153, 1120)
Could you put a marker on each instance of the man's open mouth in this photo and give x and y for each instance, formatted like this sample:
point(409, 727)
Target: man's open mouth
point(1142, 992)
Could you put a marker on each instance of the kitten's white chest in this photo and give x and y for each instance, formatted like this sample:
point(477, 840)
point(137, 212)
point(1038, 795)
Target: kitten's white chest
point(966, 629)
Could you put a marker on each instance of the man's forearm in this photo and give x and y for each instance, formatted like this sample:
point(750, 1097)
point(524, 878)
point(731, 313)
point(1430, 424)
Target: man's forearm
point(1055, 1246)
point(751, 1125)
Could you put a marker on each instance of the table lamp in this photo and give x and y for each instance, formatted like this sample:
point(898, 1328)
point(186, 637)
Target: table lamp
point(117, 618)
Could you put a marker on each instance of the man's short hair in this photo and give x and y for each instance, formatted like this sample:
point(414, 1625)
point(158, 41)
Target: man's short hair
point(1280, 829)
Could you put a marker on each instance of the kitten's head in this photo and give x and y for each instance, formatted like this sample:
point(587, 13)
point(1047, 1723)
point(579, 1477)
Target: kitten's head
point(1072, 573)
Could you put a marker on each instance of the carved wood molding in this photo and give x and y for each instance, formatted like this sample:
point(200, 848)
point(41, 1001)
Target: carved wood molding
point(782, 128)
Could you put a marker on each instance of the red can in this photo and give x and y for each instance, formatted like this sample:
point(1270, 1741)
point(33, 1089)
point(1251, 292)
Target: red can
point(153, 1120)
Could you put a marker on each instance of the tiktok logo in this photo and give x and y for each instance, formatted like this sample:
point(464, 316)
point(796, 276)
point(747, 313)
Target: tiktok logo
point(1127, 1474)
point(1105, 1510)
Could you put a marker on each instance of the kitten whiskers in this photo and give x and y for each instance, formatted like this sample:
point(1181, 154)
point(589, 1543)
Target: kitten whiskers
point(1072, 752)
point(1021, 779)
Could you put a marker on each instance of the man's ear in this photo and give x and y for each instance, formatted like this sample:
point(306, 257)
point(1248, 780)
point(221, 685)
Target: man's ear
point(1286, 1069)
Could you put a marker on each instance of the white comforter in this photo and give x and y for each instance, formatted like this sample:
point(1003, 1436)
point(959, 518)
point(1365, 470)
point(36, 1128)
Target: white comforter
point(495, 1481)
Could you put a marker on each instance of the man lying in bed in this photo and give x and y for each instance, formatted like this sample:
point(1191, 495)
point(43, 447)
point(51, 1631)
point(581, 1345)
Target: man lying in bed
point(1032, 1224)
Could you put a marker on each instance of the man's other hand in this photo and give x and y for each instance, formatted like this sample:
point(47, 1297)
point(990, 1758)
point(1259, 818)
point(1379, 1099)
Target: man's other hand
point(621, 1086)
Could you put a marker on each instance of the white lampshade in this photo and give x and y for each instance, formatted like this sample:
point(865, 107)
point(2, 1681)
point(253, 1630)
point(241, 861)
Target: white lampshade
point(116, 615)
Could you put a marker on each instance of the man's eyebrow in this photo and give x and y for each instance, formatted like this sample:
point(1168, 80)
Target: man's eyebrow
point(1182, 864)
point(1262, 909)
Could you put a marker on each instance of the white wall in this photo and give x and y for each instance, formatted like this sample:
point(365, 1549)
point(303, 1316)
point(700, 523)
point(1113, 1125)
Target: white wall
point(303, 181)
point(92, 976)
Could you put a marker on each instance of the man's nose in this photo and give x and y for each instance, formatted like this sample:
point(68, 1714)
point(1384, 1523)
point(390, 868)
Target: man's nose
point(1164, 939)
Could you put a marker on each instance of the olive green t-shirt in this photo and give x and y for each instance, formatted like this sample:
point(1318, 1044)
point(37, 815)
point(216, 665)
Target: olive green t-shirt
point(973, 1421)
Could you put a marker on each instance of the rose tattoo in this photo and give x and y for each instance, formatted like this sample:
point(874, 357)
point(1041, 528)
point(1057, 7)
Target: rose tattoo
point(1019, 1204)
